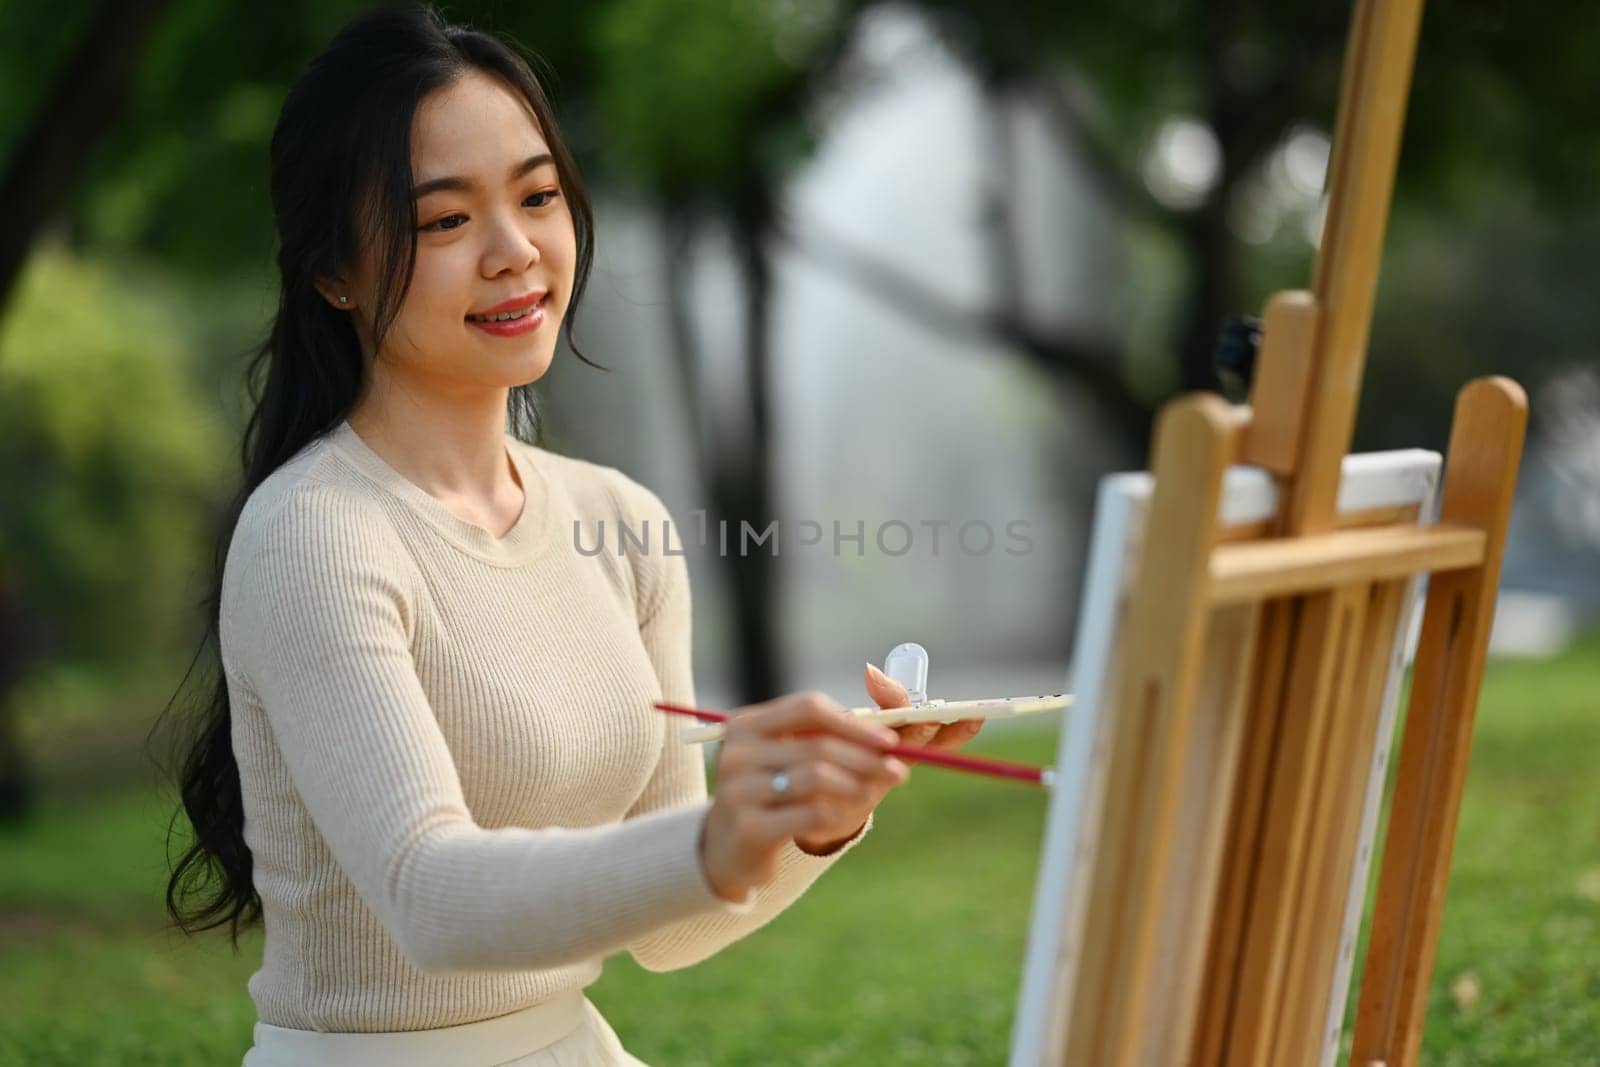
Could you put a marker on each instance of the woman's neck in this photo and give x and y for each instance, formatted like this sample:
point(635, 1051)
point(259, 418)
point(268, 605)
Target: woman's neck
point(451, 448)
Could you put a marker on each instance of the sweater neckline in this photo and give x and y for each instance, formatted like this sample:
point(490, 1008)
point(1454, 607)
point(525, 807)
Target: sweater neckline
point(522, 543)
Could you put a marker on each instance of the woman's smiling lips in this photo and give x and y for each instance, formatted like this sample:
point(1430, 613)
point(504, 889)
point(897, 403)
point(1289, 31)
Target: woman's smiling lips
point(519, 315)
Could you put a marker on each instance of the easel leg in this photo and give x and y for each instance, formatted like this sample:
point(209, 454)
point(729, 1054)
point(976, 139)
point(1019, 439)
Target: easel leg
point(1159, 679)
point(1480, 477)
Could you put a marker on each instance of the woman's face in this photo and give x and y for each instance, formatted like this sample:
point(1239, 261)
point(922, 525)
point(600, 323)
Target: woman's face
point(493, 227)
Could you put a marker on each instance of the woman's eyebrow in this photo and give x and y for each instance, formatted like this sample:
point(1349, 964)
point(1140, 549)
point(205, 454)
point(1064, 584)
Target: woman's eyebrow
point(467, 185)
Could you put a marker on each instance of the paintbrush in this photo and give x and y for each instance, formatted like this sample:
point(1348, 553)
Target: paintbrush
point(1043, 776)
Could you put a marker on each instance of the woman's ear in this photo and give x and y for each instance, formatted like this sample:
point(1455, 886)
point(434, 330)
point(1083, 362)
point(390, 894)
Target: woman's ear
point(336, 291)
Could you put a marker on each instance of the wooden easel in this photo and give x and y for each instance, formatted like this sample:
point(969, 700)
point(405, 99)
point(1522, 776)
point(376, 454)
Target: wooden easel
point(1226, 833)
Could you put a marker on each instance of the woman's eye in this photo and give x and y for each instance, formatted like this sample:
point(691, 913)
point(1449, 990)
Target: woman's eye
point(439, 224)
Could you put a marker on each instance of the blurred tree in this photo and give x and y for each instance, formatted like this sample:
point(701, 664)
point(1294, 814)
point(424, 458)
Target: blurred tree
point(108, 470)
point(16, 783)
point(86, 101)
point(1499, 115)
point(705, 107)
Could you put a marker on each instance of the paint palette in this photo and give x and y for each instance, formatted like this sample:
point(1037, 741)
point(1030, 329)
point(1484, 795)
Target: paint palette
point(908, 664)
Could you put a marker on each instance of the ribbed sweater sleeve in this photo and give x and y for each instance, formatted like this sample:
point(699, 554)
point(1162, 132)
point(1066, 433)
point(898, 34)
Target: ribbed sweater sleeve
point(665, 618)
point(328, 601)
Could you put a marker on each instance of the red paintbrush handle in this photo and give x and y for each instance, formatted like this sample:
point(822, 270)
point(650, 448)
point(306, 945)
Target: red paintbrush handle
point(975, 764)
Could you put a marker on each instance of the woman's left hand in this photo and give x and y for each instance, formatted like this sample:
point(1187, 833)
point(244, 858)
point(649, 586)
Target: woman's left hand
point(888, 693)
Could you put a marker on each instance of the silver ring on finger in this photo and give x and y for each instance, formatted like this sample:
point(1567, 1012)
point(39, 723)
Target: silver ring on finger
point(780, 784)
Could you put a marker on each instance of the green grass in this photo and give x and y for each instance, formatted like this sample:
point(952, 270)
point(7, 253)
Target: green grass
point(908, 952)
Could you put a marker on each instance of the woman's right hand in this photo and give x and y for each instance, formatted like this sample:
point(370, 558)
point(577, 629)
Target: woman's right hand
point(831, 775)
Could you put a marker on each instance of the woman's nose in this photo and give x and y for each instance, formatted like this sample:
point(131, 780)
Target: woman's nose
point(513, 247)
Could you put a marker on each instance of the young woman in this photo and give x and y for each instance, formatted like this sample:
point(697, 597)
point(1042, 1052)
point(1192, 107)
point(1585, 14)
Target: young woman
point(430, 767)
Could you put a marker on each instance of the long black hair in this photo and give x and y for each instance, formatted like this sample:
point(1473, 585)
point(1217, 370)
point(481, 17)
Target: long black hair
point(341, 175)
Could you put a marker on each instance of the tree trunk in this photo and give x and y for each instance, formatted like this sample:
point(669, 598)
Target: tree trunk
point(735, 466)
point(86, 101)
point(1212, 297)
point(16, 785)
point(748, 469)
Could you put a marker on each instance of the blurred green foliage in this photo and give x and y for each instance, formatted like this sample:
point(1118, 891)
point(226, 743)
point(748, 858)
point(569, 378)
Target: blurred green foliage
point(110, 463)
point(683, 83)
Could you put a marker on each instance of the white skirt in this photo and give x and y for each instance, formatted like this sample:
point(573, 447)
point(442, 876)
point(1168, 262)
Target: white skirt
point(565, 1031)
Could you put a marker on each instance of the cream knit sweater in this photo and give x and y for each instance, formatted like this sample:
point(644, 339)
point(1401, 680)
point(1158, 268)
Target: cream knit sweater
point(457, 796)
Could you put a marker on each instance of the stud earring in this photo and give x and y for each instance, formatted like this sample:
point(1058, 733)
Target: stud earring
point(344, 300)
